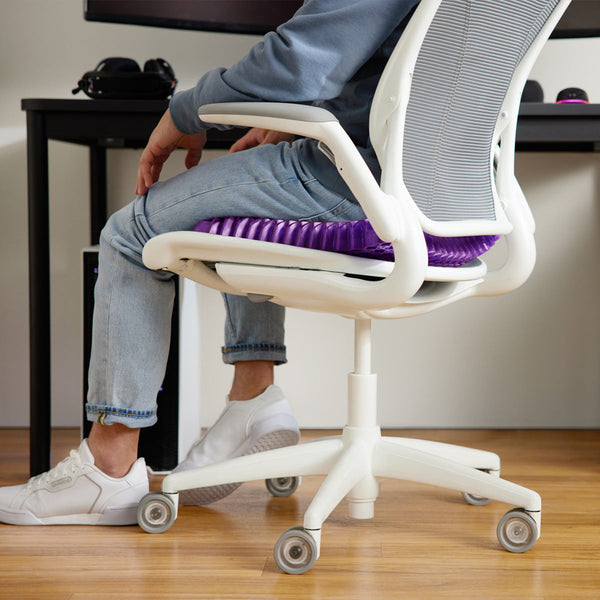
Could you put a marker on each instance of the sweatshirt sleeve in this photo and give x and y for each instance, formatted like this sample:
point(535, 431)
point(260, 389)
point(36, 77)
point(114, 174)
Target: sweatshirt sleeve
point(309, 58)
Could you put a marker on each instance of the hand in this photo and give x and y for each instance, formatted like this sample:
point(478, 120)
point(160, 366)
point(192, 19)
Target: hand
point(260, 137)
point(164, 139)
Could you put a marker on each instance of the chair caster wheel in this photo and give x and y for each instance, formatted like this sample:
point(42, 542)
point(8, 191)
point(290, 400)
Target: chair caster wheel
point(296, 551)
point(475, 500)
point(282, 487)
point(517, 531)
point(156, 512)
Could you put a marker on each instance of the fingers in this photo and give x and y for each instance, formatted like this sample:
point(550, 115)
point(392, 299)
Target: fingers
point(149, 169)
point(276, 137)
point(144, 175)
point(248, 140)
point(192, 158)
point(259, 137)
point(162, 142)
point(237, 147)
point(195, 145)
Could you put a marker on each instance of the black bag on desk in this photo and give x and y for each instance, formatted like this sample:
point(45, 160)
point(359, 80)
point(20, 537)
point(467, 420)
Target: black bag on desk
point(122, 78)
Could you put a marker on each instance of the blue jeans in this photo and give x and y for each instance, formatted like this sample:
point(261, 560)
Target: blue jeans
point(133, 305)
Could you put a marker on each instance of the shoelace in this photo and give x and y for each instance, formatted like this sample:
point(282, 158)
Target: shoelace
point(65, 467)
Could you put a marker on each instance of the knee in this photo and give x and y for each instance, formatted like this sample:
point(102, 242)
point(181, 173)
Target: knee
point(117, 224)
point(123, 234)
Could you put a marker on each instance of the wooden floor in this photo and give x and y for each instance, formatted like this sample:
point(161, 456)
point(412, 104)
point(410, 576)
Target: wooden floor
point(423, 542)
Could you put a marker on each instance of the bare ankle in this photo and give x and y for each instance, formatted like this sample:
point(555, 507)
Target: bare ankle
point(114, 448)
point(251, 378)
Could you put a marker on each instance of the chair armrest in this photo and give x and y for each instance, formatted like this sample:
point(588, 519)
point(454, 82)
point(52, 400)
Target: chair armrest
point(274, 110)
point(319, 124)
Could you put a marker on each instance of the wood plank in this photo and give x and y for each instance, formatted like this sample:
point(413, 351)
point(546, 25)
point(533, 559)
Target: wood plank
point(424, 542)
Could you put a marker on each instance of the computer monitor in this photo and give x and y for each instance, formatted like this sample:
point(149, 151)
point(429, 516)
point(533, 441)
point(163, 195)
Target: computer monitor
point(234, 16)
point(582, 18)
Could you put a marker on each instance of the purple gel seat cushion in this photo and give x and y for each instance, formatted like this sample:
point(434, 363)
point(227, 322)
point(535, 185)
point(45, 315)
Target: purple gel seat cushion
point(356, 238)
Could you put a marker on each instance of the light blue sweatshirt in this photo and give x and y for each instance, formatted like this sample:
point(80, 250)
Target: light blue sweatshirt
point(330, 53)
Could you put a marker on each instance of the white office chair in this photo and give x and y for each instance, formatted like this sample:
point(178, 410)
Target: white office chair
point(443, 124)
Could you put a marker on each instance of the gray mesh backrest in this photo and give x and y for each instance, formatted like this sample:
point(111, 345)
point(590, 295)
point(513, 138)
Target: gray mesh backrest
point(460, 80)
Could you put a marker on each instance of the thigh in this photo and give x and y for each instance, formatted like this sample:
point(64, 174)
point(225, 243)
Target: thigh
point(267, 182)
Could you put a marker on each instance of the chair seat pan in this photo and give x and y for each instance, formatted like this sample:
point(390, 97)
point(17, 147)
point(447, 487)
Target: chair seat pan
point(356, 238)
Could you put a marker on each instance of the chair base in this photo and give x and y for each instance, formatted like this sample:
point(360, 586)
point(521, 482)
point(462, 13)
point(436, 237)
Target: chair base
point(354, 463)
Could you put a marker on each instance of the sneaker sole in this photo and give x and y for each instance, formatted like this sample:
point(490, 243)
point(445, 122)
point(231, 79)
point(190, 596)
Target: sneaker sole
point(208, 495)
point(117, 516)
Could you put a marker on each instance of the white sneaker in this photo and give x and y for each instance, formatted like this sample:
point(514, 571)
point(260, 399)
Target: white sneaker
point(244, 427)
point(75, 492)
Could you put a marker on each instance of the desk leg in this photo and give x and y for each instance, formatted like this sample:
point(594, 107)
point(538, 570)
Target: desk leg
point(97, 191)
point(39, 293)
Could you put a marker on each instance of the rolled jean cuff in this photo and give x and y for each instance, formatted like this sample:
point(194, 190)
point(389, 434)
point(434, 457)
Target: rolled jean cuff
point(109, 415)
point(243, 352)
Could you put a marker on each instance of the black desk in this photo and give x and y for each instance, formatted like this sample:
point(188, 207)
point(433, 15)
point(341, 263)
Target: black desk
point(559, 128)
point(98, 124)
point(102, 124)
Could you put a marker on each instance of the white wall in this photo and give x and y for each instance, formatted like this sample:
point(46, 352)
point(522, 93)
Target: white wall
point(527, 359)
point(46, 46)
